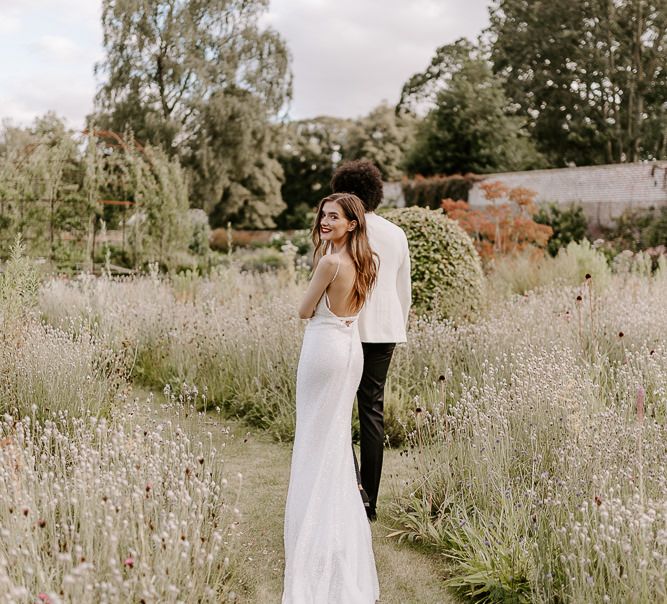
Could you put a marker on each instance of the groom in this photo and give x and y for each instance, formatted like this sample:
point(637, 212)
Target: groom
point(382, 321)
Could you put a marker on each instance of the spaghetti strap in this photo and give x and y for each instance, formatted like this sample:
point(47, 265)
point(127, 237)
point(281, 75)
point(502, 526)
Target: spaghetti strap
point(336, 274)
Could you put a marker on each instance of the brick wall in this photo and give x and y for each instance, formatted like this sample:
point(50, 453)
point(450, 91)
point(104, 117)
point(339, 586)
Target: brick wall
point(603, 191)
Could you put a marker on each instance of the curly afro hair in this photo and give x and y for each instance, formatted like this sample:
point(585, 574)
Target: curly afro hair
point(362, 178)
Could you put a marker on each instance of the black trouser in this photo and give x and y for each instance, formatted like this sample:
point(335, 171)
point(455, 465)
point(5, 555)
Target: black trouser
point(370, 400)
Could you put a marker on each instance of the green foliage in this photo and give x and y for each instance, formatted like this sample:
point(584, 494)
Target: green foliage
point(308, 156)
point(579, 259)
point(639, 229)
point(202, 81)
point(469, 127)
point(447, 276)
point(42, 195)
point(262, 260)
point(53, 182)
point(656, 233)
point(568, 224)
point(313, 148)
point(588, 76)
point(19, 285)
point(383, 138)
point(200, 233)
point(233, 166)
point(156, 232)
point(429, 192)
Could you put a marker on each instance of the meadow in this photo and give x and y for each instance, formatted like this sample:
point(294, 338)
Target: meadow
point(527, 444)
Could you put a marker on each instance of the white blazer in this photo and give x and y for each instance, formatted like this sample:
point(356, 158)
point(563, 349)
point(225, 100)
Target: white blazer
point(384, 317)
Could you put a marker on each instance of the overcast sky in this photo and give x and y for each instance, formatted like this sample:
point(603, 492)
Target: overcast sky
point(347, 55)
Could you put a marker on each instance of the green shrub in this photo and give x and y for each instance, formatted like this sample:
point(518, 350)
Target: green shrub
point(19, 286)
point(576, 261)
point(429, 192)
point(639, 229)
point(262, 260)
point(200, 233)
point(568, 224)
point(447, 276)
point(117, 255)
point(656, 233)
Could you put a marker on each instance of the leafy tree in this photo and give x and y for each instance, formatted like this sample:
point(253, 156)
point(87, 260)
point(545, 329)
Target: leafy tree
point(202, 80)
point(234, 163)
point(310, 152)
point(382, 137)
point(40, 194)
point(468, 127)
point(54, 185)
point(591, 77)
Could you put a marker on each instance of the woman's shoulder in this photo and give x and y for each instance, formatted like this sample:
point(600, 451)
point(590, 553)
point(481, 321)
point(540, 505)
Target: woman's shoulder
point(329, 260)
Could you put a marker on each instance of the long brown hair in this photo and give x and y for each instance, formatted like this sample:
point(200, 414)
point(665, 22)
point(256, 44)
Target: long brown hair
point(365, 260)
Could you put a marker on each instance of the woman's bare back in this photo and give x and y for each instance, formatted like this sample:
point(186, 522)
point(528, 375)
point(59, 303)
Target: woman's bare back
point(339, 290)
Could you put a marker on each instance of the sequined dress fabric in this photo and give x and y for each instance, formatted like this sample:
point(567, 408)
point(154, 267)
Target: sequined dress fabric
point(328, 550)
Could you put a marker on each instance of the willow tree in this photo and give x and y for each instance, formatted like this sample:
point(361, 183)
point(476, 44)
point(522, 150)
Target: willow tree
point(40, 188)
point(201, 79)
point(119, 172)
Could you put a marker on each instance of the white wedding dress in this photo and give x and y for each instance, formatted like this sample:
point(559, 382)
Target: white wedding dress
point(328, 551)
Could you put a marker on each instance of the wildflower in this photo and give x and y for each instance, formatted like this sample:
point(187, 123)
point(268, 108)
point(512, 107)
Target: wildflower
point(43, 597)
point(129, 562)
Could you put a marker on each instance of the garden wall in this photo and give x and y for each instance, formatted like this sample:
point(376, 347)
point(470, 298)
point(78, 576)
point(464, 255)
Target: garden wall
point(604, 192)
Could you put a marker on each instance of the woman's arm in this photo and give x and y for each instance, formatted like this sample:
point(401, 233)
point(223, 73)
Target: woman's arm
point(323, 275)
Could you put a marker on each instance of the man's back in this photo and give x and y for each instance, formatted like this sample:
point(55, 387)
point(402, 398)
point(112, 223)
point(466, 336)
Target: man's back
point(384, 317)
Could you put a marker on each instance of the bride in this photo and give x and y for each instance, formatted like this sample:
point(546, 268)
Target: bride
point(328, 552)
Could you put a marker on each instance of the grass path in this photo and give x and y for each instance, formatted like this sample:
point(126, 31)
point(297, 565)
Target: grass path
point(406, 574)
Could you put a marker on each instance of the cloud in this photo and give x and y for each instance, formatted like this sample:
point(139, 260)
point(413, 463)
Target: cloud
point(59, 48)
point(10, 22)
point(349, 55)
point(48, 56)
point(32, 97)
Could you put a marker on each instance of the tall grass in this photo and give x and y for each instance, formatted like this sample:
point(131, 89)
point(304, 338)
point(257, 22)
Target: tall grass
point(535, 469)
point(235, 336)
point(47, 371)
point(535, 474)
point(98, 502)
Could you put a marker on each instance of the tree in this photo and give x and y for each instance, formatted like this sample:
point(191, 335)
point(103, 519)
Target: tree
point(234, 163)
point(40, 185)
point(383, 138)
point(591, 77)
point(468, 127)
point(180, 73)
point(311, 150)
